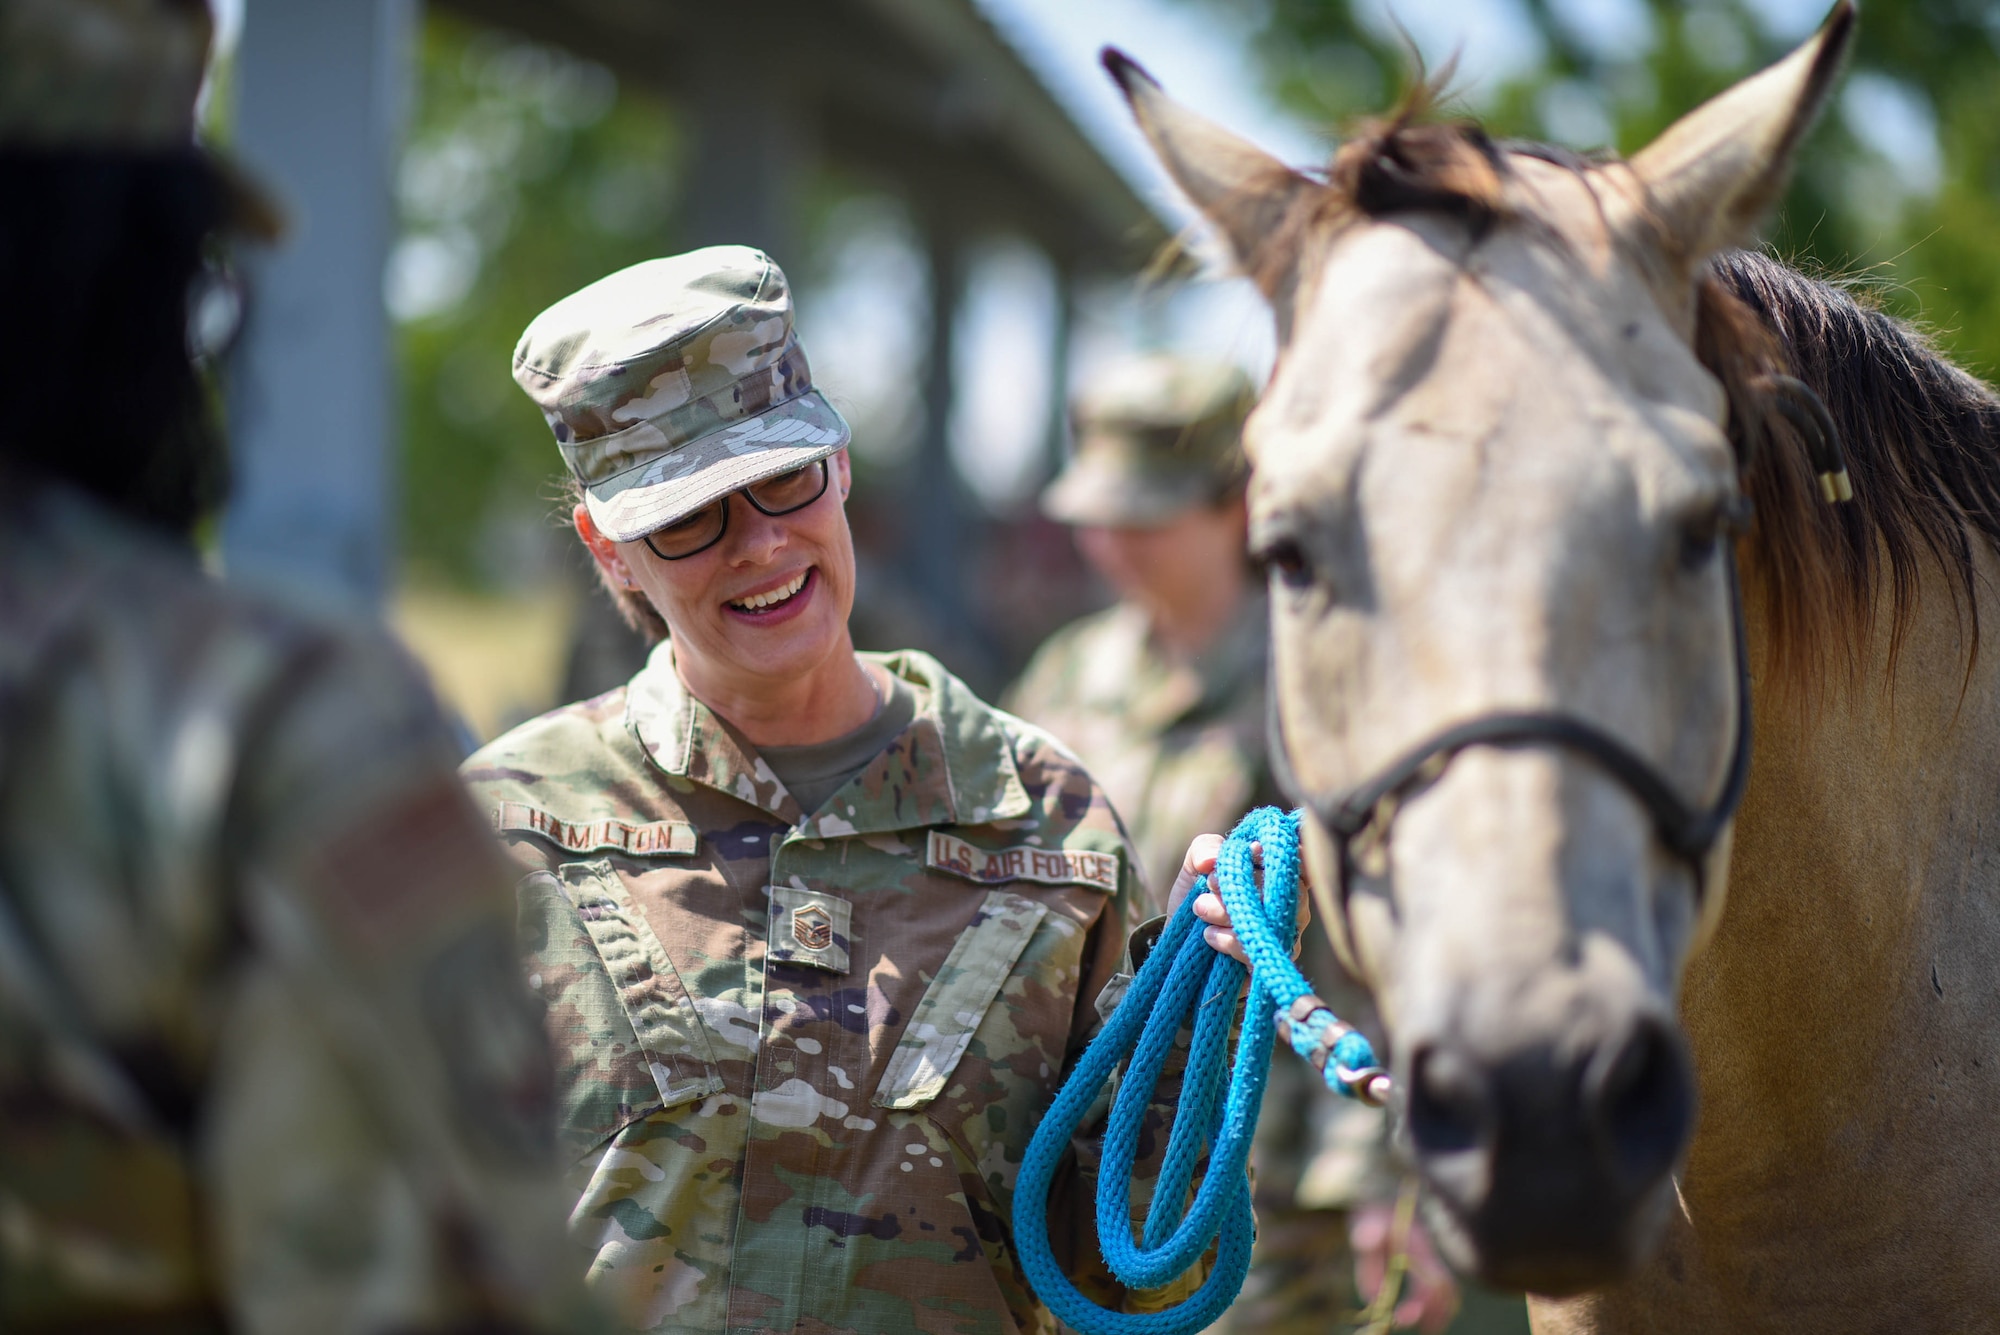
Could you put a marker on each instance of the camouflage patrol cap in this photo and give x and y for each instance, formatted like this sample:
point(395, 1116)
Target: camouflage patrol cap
point(94, 75)
point(675, 382)
point(1155, 435)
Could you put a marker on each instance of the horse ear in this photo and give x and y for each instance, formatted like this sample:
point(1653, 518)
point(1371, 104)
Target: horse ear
point(1239, 187)
point(1710, 177)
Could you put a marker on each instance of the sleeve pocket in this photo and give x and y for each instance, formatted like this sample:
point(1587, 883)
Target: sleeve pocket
point(941, 1028)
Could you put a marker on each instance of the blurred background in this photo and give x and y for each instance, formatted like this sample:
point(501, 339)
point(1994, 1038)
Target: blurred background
point(970, 222)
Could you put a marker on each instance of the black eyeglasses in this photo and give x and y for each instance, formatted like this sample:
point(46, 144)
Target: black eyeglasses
point(704, 528)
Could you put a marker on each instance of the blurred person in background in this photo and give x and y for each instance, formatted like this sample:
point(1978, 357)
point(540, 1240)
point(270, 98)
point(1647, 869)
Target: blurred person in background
point(818, 931)
point(1162, 697)
point(265, 1061)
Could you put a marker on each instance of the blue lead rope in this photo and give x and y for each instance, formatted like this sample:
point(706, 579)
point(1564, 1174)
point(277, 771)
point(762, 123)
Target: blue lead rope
point(1187, 982)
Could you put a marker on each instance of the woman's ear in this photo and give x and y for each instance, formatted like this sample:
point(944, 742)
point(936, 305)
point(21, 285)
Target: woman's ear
point(843, 473)
point(602, 549)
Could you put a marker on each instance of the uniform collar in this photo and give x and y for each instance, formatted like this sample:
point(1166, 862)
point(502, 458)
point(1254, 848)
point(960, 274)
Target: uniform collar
point(953, 765)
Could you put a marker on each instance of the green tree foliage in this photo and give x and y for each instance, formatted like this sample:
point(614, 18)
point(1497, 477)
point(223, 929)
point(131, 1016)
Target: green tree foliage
point(527, 174)
point(1898, 189)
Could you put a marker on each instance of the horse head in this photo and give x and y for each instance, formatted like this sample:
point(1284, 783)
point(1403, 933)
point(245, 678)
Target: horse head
point(1497, 494)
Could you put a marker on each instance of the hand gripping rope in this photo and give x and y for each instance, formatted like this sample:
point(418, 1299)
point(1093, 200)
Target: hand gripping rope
point(1185, 981)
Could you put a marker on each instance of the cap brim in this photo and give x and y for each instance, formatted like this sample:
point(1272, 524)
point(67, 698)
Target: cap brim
point(629, 505)
point(1101, 491)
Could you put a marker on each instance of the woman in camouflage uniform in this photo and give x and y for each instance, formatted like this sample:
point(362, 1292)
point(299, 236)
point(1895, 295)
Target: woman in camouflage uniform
point(818, 931)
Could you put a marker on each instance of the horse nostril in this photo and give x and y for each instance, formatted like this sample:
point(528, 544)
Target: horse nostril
point(1643, 1103)
point(1448, 1101)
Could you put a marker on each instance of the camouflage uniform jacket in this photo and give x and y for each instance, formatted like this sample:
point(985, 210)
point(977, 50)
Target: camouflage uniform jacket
point(1179, 746)
point(265, 1062)
point(801, 1054)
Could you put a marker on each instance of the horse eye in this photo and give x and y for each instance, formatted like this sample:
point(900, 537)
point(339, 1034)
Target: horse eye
point(1698, 546)
point(1285, 560)
point(1702, 537)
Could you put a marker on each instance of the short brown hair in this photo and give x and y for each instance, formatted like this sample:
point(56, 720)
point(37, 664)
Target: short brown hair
point(634, 607)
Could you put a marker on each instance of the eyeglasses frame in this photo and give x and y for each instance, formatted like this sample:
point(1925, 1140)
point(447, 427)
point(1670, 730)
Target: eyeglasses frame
point(825, 480)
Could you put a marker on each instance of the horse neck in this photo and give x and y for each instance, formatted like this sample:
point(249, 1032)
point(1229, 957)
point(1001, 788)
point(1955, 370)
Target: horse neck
point(1841, 1016)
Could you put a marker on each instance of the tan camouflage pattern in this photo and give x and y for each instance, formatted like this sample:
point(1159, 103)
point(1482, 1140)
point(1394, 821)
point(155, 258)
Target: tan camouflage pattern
point(265, 1061)
point(94, 75)
point(1155, 435)
point(99, 73)
point(675, 382)
point(799, 1065)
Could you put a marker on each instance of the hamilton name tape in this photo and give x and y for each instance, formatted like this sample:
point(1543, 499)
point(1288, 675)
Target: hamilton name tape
point(1049, 866)
point(661, 838)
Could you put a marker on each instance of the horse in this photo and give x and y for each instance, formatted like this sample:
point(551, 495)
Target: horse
point(1534, 479)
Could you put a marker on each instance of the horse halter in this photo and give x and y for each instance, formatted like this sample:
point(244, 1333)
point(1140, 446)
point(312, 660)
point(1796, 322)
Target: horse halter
point(1687, 832)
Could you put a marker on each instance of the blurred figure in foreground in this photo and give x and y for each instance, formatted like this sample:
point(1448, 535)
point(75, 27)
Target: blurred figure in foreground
point(265, 1060)
point(1162, 696)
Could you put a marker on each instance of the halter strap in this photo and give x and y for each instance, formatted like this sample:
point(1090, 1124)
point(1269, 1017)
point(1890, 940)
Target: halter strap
point(1686, 832)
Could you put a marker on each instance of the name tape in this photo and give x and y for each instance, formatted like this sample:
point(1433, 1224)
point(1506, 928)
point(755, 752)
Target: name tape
point(667, 838)
point(1048, 866)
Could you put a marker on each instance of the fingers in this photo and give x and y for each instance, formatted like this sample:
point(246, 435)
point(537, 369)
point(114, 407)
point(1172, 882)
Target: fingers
point(1211, 910)
point(1200, 861)
point(1430, 1298)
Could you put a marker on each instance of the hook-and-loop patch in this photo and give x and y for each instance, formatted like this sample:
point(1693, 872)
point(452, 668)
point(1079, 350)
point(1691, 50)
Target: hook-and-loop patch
point(664, 838)
point(1024, 862)
point(810, 927)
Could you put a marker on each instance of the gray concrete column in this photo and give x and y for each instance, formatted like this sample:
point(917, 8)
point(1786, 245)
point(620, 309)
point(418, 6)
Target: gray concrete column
point(744, 171)
point(321, 89)
point(1056, 447)
point(935, 540)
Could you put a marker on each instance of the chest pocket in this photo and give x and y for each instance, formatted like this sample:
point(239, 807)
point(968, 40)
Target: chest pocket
point(941, 1027)
point(628, 1037)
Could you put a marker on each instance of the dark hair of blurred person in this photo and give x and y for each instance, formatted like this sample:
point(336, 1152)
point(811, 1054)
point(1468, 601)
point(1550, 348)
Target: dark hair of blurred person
point(107, 248)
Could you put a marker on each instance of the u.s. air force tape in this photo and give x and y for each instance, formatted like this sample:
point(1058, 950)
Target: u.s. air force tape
point(666, 838)
point(1024, 862)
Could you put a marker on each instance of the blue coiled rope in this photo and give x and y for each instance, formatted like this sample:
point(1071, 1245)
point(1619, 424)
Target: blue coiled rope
point(1184, 981)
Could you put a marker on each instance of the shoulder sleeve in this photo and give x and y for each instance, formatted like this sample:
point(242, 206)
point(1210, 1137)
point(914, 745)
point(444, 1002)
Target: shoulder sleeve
point(380, 1140)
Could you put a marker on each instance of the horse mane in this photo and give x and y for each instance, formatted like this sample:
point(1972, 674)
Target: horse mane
point(1922, 437)
point(1923, 448)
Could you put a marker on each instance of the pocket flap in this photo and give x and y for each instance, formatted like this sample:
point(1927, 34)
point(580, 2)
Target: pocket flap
point(663, 1016)
point(941, 1028)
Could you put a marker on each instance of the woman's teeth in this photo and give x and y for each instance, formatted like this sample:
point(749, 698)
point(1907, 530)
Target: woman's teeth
point(774, 596)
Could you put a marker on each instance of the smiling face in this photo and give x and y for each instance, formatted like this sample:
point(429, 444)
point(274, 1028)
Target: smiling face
point(761, 610)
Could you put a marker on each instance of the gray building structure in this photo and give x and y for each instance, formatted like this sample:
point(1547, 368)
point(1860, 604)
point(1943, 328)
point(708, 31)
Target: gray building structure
point(922, 98)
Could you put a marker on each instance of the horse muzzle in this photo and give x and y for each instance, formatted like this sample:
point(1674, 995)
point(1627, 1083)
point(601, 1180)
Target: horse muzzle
point(1550, 1162)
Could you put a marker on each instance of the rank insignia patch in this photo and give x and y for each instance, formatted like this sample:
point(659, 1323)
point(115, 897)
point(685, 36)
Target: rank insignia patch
point(810, 927)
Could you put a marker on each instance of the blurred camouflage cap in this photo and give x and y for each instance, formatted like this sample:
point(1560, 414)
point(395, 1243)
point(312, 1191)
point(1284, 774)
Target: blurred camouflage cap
point(675, 382)
point(94, 75)
point(1155, 435)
